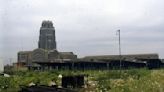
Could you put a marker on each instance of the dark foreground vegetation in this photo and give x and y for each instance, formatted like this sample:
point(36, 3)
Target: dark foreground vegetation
point(132, 80)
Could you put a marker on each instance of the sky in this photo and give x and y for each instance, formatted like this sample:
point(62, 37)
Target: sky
point(85, 27)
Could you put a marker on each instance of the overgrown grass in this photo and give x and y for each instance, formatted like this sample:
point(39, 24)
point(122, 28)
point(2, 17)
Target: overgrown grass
point(133, 80)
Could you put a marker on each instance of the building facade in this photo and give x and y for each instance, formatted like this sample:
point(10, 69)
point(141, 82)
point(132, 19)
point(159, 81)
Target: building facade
point(46, 51)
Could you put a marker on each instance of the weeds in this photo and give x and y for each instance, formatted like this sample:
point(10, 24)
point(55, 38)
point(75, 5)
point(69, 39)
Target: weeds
point(133, 80)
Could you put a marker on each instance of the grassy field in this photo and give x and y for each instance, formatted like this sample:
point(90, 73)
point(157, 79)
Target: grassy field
point(133, 80)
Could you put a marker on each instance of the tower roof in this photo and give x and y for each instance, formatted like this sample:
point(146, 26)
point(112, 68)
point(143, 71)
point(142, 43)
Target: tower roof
point(47, 24)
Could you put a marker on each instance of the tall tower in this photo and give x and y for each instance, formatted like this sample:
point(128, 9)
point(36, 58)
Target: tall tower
point(47, 38)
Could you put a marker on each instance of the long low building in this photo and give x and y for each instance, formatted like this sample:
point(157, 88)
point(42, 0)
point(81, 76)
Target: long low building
point(130, 57)
point(96, 65)
point(104, 62)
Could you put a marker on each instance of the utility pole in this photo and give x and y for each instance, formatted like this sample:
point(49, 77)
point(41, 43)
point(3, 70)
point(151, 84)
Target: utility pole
point(120, 49)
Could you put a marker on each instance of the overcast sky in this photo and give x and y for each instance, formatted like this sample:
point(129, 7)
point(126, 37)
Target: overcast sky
point(86, 27)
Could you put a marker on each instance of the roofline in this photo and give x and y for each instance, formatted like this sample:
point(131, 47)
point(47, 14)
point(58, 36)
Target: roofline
point(123, 55)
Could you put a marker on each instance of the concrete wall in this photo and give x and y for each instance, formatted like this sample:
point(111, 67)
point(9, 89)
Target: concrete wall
point(1, 65)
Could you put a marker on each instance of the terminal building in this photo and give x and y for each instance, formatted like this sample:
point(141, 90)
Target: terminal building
point(46, 56)
point(46, 51)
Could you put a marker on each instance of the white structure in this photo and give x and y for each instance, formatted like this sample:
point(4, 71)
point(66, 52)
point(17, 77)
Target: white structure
point(1, 65)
